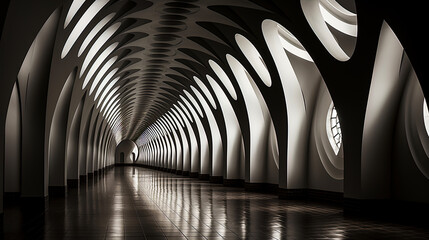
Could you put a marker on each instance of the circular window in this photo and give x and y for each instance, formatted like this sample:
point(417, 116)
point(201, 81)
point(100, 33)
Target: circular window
point(426, 116)
point(333, 129)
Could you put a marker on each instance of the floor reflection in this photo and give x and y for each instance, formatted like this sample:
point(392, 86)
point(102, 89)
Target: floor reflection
point(138, 203)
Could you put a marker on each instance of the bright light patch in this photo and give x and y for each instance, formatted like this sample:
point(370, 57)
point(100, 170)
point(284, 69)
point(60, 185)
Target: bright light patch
point(215, 134)
point(224, 78)
point(325, 15)
point(165, 123)
point(114, 114)
point(117, 123)
point(98, 62)
point(253, 56)
point(196, 106)
point(101, 73)
point(178, 118)
point(338, 17)
point(184, 109)
point(179, 114)
point(117, 114)
point(232, 128)
point(94, 32)
point(167, 118)
point(81, 25)
point(103, 84)
point(426, 116)
point(333, 129)
point(74, 7)
point(291, 44)
point(110, 108)
point(113, 109)
point(205, 91)
point(108, 98)
point(109, 95)
point(110, 103)
point(98, 45)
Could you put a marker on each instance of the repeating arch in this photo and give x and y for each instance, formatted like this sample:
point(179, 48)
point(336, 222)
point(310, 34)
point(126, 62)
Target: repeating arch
point(304, 96)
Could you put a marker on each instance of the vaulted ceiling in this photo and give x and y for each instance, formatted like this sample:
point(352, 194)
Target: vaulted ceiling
point(151, 49)
point(85, 75)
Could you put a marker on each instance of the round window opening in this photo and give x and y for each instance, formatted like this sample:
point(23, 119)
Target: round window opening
point(333, 129)
point(426, 116)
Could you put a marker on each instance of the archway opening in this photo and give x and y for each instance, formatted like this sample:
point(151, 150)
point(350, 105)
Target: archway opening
point(126, 152)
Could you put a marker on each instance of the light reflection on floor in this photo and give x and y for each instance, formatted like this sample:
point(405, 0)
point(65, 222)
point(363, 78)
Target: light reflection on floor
point(200, 209)
point(139, 203)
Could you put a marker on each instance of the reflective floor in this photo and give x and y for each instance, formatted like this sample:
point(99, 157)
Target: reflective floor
point(138, 203)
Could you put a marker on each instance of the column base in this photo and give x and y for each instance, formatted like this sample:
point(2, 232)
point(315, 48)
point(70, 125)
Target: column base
point(72, 183)
point(261, 187)
point(298, 194)
point(233, 182)
point(311, 194)
point(11, 197)
point(204, 177)
point(1, 222)
point(60, 191)
point(216, 179)
point(123, 164)
point(83, 178)
point(34, 204)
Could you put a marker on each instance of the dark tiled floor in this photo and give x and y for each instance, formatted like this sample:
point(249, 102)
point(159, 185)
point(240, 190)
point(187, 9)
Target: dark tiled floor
point(138, 203)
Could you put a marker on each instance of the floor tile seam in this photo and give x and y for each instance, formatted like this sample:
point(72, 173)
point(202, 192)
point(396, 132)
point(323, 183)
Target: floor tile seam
point(160, 209)
point(199, 219)
point(169, 206)
point(129, 187)
point(202, 221)
point(182, 207)
point(179, 214)
point(152, 200)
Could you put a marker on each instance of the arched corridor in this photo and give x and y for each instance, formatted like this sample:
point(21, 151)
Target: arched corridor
point(300, 100)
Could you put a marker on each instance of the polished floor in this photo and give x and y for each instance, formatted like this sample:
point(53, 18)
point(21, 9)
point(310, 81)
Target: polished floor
point(139, 203)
